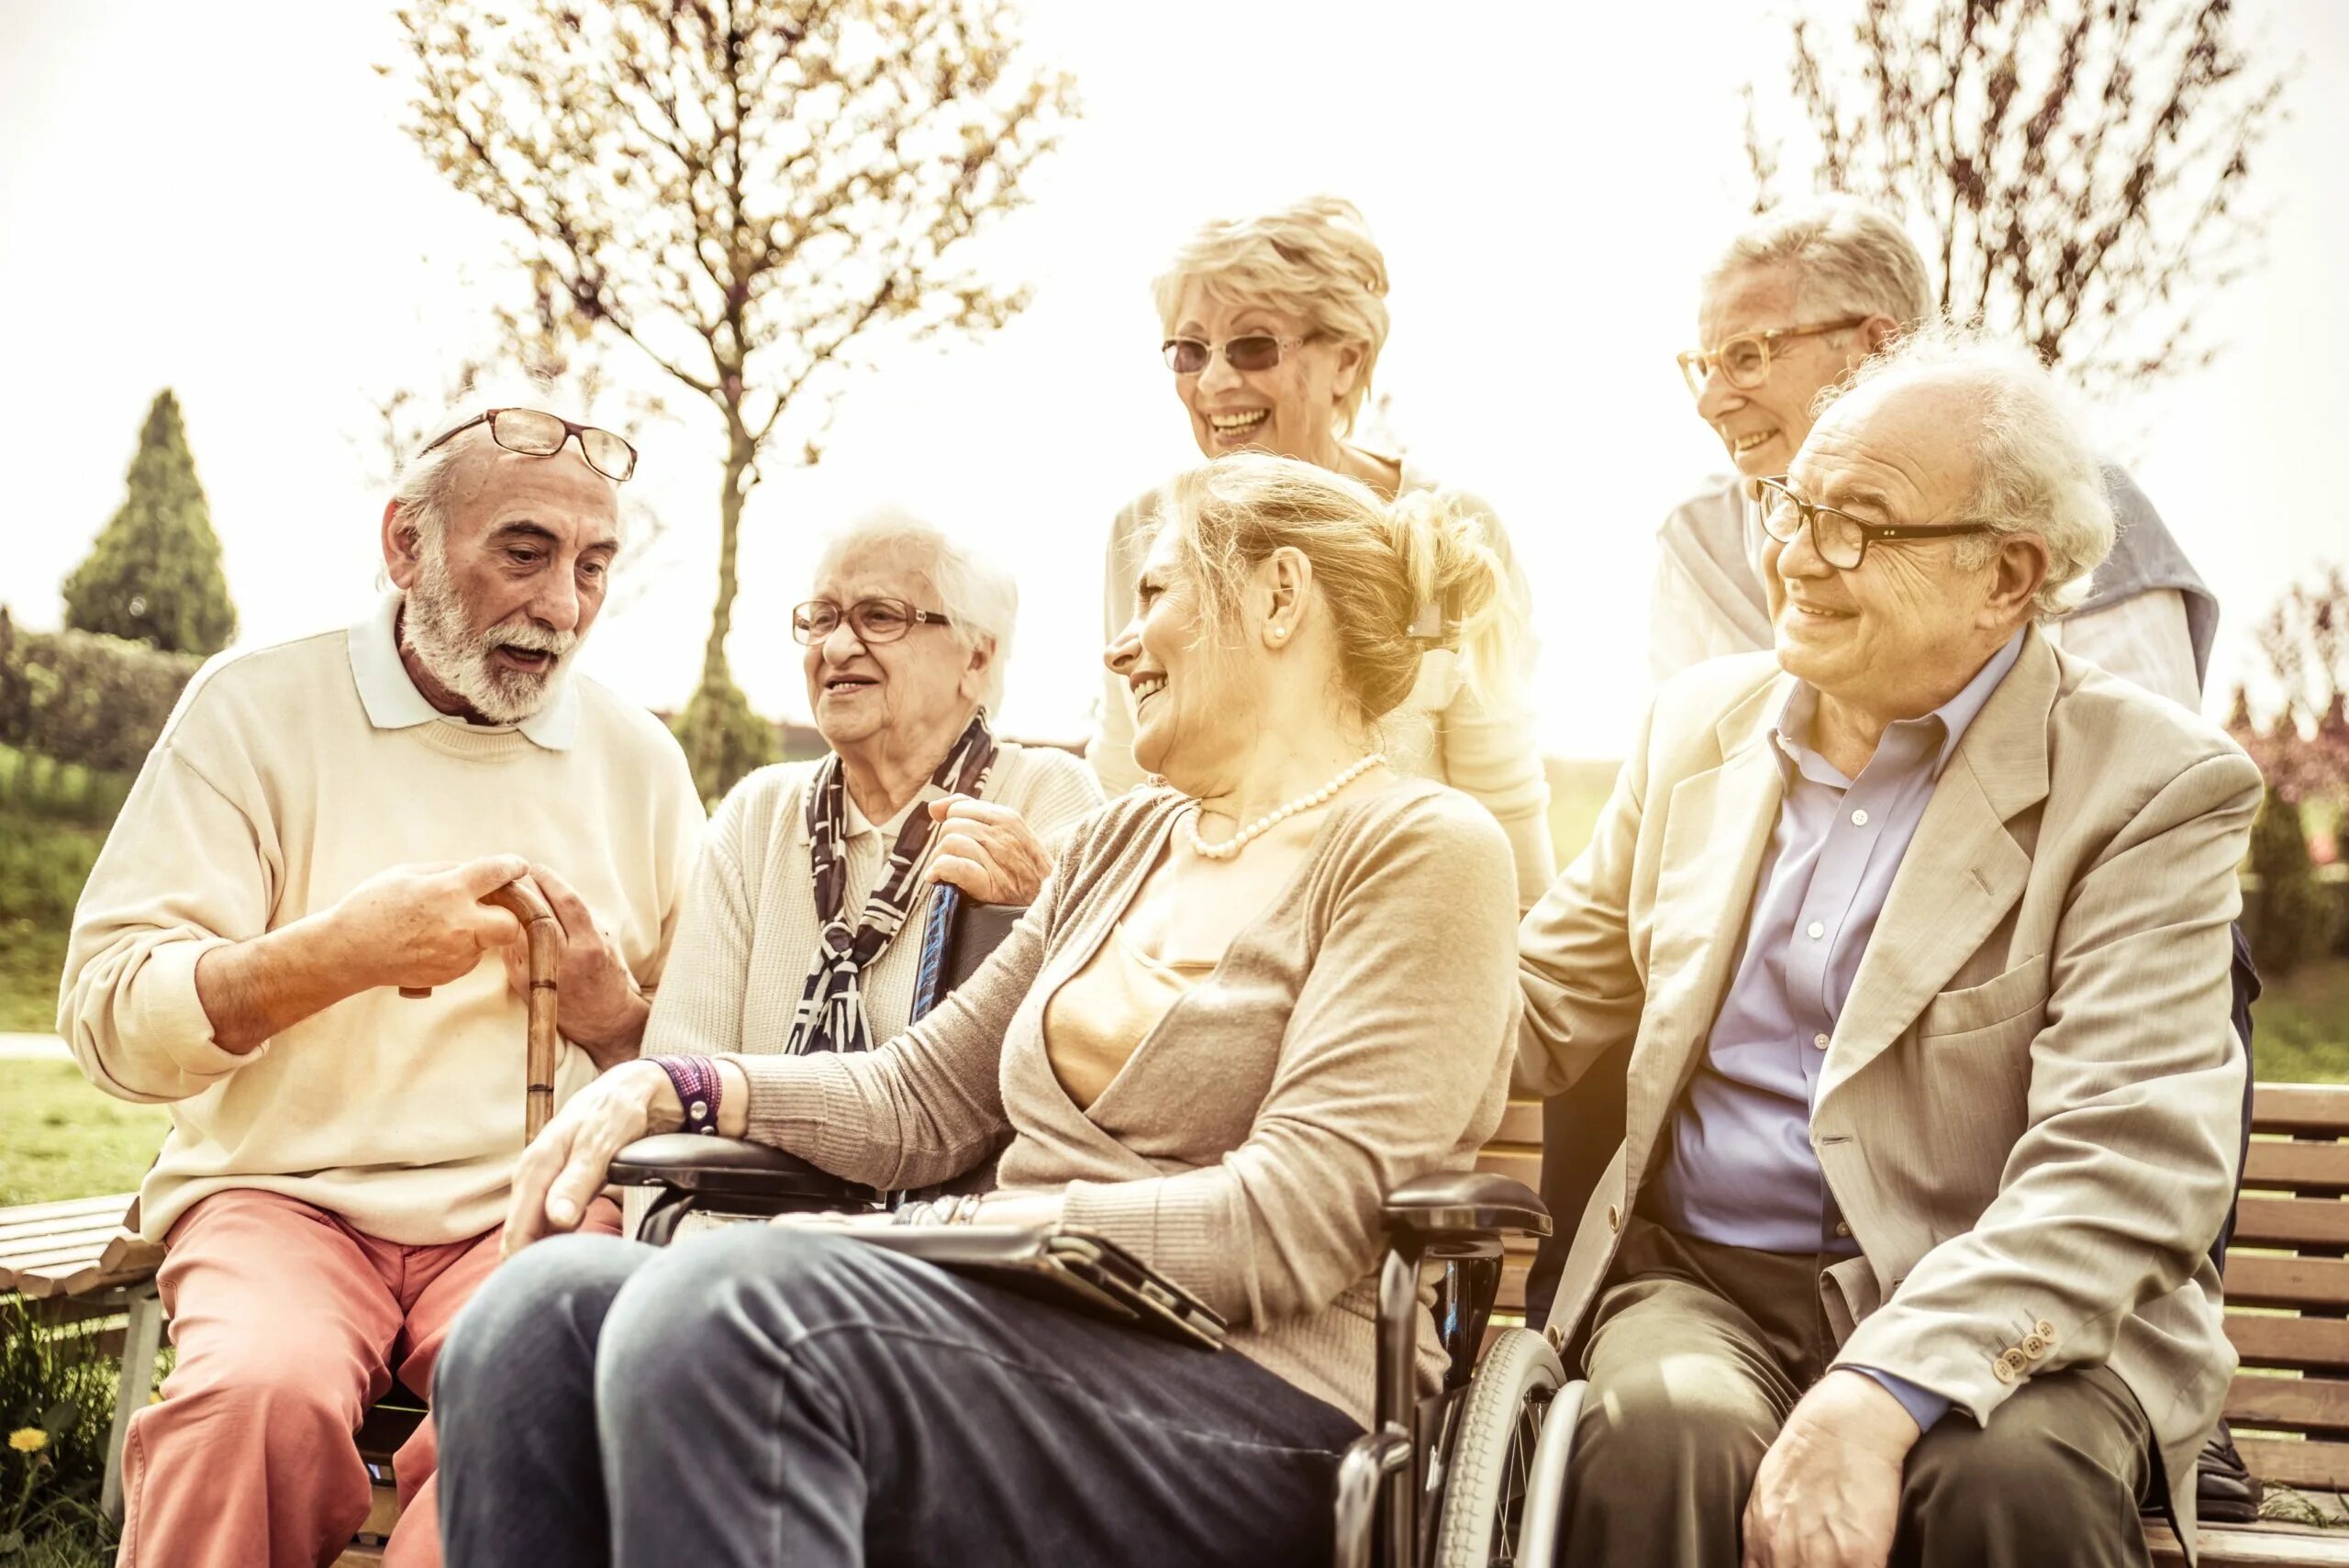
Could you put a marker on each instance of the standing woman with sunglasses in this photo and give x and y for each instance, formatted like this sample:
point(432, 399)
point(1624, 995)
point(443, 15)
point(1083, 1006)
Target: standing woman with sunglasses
point(802, 930)
point(1273, 328)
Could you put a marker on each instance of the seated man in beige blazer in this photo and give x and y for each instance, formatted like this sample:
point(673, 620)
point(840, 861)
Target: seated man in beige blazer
point(1918, 928)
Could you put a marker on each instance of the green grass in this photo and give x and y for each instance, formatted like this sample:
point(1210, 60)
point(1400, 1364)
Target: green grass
point(2302, 1018)
point(60, 1137)
point(53, 820)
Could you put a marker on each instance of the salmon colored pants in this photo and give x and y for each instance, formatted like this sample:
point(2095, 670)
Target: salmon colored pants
point(289, 1324)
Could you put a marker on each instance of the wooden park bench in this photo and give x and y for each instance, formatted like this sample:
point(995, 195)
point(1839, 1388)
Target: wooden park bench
point(2287, 1298)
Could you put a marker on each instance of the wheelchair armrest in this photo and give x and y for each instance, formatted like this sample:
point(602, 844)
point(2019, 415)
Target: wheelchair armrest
point(1451, 1202)
point(728, 1168)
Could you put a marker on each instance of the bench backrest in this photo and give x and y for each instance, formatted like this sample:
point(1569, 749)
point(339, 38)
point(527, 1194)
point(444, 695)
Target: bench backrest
point(2287, 1289)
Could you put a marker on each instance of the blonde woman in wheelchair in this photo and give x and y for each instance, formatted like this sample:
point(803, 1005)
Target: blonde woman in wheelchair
point(1247, 1005)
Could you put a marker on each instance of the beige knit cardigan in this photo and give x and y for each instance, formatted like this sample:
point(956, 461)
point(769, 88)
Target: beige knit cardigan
point(1354, 1035)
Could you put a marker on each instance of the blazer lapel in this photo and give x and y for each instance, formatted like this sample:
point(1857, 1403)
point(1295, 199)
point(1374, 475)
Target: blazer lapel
point(1962, 871)
point(1716, 831)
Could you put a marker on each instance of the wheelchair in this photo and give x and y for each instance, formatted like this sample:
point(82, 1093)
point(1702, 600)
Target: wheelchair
point(1470, 1475)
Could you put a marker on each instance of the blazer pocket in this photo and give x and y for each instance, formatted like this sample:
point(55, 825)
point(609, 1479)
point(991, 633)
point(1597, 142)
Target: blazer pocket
point(2021, 990)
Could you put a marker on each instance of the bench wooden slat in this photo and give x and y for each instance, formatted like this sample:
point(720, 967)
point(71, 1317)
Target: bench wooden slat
point(69, 1254)
point(35, 1217)
point(2291, 1222)
point(2243, 1546)
point(2287, 1282)
point(2320, 1466)
point(2296, 1166)
point(2297, 1344)
point(93, 1235)
point(2298, 1107)
point(2319, 1405)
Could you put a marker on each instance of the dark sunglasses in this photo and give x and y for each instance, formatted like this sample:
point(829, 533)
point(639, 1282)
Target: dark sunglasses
point(872, 620)
point(536, 434)
point(1249, 351)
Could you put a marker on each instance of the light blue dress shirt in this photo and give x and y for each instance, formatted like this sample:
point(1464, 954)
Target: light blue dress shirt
point(1741, 1170)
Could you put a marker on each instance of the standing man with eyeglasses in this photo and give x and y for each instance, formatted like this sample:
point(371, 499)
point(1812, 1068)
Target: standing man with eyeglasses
point(283, 941)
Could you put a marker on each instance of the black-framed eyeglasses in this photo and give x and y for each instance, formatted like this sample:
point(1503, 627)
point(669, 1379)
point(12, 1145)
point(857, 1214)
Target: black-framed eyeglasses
point(1841, 538)
point(1744, 360)
point(1249, 351)
point(872, 620)
point(535, 433)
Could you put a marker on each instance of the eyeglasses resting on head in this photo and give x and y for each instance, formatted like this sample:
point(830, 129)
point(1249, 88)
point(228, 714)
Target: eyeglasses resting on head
point(537, 434)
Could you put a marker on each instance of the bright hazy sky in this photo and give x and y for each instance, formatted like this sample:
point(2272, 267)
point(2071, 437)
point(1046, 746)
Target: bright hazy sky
point(215, 197)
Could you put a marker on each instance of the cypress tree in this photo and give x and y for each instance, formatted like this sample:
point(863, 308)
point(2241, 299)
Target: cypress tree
point(154, 573)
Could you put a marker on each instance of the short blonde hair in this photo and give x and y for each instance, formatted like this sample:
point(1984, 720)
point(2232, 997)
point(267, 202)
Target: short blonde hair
point(1399, 579)
point(1314, 259)
point(2033, 471)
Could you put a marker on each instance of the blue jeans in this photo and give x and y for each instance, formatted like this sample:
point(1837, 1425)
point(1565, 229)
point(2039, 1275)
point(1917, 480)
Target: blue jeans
point(768, 1397)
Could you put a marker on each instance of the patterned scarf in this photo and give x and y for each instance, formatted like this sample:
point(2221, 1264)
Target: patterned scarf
point(832, 1010)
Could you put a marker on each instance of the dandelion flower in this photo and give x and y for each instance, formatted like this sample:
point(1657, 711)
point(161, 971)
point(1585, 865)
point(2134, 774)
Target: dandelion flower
point(29, 1440)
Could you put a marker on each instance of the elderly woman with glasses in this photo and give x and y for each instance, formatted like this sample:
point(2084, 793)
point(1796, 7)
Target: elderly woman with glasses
point(791, 936)
point(1247, 1006)
point(1272, 328)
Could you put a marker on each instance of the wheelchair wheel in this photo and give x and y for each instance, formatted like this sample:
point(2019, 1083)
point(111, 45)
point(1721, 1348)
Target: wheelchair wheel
point(1492, 1451)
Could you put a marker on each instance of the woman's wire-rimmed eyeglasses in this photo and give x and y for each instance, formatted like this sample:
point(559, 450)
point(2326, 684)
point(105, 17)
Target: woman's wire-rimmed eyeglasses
point(1841, 538)
point(1249, 351)
point(534, 433)
point(872, 620)
point(1744, 360)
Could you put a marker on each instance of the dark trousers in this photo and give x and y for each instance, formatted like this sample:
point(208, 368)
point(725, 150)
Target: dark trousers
point(1698, 1352)
point(762, 1396)
point(1581, 1127)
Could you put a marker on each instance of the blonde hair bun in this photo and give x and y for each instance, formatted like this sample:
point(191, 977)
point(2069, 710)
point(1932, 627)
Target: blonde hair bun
point(1399, 579)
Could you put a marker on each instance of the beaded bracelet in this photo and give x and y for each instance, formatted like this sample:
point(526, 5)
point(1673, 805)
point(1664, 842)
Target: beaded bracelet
point(698, 1086)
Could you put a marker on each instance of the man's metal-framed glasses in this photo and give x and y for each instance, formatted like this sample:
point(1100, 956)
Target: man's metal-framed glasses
point(1249, 351)
point(872, 620)
point(1841, 538)
point(1744, 360)
point(535, 433)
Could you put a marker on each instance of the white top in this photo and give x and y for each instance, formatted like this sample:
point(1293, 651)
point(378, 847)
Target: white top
point(750, 927)
point(285, 776)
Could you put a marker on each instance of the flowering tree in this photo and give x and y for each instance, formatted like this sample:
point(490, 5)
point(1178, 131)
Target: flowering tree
point(2081, 162)
point(758, 195)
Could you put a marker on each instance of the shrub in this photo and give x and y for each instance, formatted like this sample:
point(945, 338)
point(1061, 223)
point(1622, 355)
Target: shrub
point(57, 1406)
point(2295, 914)
point(154, 574)
point(83, 698)
point(746, 741)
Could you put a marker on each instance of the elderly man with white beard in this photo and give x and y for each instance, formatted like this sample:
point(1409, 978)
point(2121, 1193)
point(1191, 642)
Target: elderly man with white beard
point(304, 851)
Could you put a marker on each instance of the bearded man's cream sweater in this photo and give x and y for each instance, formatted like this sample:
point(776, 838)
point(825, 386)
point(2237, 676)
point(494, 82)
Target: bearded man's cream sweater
point(285, 776)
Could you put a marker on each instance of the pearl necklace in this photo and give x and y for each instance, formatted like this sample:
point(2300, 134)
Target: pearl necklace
point(1274, 818)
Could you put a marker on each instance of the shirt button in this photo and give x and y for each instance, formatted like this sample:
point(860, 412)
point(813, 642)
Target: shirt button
point(699, 1109)
point(1842, 1229)
point(1860, 819)
point(1816, 930)
point(1819, 1041)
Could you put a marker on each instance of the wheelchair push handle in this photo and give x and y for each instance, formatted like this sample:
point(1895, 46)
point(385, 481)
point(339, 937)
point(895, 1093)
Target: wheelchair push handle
point(544, 934)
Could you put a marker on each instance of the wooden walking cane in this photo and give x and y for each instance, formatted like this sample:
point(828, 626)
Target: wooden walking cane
point(544, 932)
